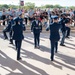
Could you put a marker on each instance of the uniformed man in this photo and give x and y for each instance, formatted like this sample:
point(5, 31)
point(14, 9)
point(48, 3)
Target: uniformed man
point(36, 28)
point(17, 30)
point(63, 28)
point(54, 35)
point(8, 29)
point(20, 19)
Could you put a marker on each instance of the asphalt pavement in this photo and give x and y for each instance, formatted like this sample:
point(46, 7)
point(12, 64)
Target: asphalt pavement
point(37, 61)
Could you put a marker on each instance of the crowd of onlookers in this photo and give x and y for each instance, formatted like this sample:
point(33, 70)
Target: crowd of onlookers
point(44, 15)
point(37, 18)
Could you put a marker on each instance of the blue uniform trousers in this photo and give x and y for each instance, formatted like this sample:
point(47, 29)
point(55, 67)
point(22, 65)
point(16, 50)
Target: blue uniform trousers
point(54, 45)
point(67, 31)
point(18, 47)
point(4, 33)
point(36, 39)
point(63, 37)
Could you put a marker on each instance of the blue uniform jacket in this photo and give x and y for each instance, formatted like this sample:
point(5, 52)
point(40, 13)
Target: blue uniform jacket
point(36, 28)
point(10, 24)
point(63, 27)
point(17, 32)
point(21, 22)
point(54, 31)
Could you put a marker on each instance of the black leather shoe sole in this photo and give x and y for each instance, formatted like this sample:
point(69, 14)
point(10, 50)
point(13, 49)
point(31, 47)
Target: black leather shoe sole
point(52, 60)
point(19, 58)
point(62, 45)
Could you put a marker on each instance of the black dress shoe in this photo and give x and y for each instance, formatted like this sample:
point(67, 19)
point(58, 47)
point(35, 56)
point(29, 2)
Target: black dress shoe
point(55, 51)
point(35, 47)
point(5, 38)
point(52, 59)
point(62, 45)
point(19, 58)
point(16, 48)
point(38, 47)
point(10, 43)
point(67, 37)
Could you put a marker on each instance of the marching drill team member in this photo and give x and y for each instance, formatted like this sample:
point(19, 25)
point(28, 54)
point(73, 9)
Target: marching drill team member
point(8, 29)
point(17, 30)
point(54, 35)
point(20, 19)
point(63, 28)
point(36, 28)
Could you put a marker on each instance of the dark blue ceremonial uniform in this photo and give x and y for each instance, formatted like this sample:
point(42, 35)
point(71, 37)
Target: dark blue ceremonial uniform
point(36, 28)
point(21, 22)
point(8, 29)
point(18, 37)
point(54, 37)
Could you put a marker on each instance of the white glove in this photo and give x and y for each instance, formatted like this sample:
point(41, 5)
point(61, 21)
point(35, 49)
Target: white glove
point(31, 32)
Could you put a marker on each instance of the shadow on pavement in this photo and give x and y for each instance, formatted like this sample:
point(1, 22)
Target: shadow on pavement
point(70, 47)
point(42, 72)
point(65, 65)
point(33, 56)
point(29, 42)
point(44, 48)
point(69, 43)
point(1, 36)
point(6, 61)
point(67, 60)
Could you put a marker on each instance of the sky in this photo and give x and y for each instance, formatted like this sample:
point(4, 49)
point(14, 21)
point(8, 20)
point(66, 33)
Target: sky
point(41, 2)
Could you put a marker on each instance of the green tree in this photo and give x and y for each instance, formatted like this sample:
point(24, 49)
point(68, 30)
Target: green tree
point(71, 7)
point(13, 6)
point(49, 6)
point(57, 6)
point(0, 7)
point(5, 6)
point(29, 5)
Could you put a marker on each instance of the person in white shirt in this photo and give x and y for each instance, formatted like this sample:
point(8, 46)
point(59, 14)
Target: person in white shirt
point(26, 16)
point(71, 13)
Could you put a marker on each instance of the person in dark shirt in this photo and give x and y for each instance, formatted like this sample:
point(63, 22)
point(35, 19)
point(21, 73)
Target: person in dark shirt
point(3, 17)
point(8, 28)
point(36, 28)
point(17, 35)
point(54, 35)
point(63, 28)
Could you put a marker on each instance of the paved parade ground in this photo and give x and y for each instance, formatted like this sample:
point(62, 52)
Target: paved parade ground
point(37, 61)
